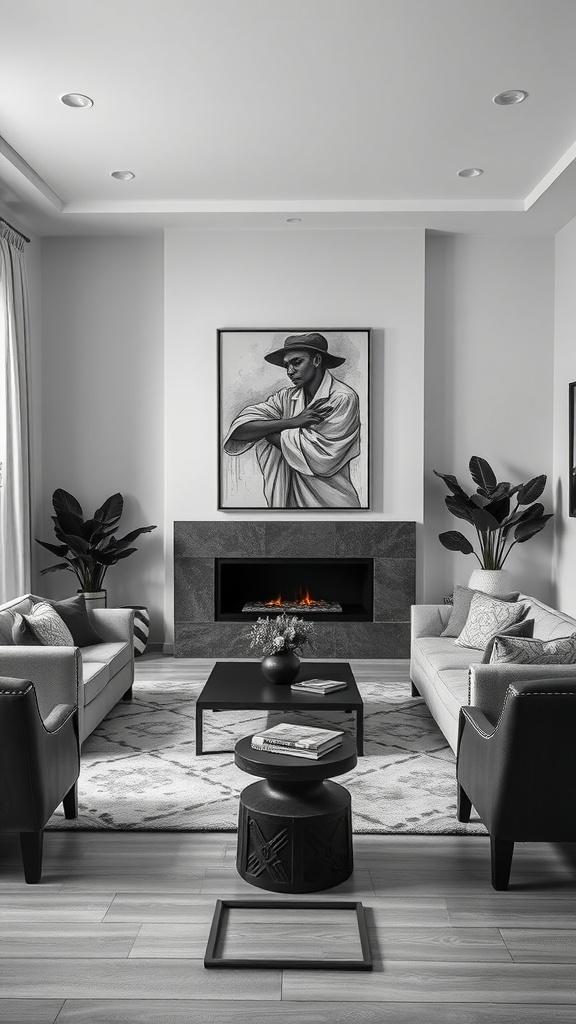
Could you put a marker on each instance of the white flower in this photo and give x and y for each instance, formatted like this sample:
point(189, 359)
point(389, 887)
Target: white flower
point(278, 642)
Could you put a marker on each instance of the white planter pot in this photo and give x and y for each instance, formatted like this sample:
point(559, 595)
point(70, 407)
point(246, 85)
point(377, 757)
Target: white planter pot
point(491, 581)
point(95, 599)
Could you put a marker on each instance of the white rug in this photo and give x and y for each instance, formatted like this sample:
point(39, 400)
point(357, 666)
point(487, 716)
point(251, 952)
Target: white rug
point(139, 769)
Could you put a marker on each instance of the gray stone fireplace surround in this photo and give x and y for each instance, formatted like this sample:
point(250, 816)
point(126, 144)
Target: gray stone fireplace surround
point(197, 545)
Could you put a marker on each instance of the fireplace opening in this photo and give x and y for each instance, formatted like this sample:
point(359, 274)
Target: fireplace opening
point(322, 589)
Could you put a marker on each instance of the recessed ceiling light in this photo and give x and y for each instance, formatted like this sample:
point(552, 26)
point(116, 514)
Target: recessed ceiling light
point(122, 175)
point(293, 220)
point(76, 99)
point(470, 172)
point(510, 97)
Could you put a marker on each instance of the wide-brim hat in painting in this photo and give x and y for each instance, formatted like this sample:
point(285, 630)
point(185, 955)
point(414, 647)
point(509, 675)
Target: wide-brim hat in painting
point(315, 343)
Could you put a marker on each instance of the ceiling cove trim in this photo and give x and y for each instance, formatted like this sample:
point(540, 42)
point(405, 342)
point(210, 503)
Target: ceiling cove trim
point(9, 156)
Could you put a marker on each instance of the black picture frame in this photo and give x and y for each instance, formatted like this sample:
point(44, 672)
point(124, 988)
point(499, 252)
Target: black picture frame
point(213, 959)
point(572, 450)
point(246, 378)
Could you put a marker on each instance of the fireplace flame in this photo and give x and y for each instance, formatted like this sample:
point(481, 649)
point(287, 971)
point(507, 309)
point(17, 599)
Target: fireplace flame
point(303, 599)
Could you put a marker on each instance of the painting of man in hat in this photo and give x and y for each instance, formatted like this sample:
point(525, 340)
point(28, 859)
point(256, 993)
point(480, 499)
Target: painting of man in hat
point(305, 439)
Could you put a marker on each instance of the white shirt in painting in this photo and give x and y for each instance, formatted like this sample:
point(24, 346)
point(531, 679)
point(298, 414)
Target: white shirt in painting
point(311, 469)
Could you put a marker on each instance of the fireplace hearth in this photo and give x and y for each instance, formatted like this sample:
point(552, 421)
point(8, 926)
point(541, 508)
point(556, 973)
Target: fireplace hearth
point(368, 568)
point(327, 589)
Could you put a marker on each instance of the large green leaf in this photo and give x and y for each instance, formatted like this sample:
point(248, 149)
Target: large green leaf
point(532, 490)
point(451, 483)
point(456, 541)
point(69, 522)
point(110, 558)
point(54, 549)
point(65, 502)
point(78, 546)
point(111, 510)
point(524, 531)
point(458, 507)
point(482, 473)
point(499, 509)
point(484, 521)
point(54, 568)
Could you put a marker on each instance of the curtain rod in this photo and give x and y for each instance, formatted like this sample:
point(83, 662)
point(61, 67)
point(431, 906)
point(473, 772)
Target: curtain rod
point(12, 228)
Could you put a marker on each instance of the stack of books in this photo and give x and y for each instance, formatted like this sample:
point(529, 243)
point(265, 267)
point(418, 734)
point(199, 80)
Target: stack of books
point(298, 740)
point(319, 685)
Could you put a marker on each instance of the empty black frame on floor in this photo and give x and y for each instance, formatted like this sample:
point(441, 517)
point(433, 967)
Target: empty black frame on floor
point(572, 450)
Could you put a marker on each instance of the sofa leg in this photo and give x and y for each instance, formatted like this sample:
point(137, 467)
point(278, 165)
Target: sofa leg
point(414, 691)
point(70, 802)
point(128, 694)
point(501, 851)
point(463, 805)
point(31, 847)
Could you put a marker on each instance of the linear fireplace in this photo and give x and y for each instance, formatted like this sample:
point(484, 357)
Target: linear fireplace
point(366, 568)
point(324, 589)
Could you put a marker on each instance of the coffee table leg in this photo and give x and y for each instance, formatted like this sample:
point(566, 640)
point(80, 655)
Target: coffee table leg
point(360, 732)
point(199, 747)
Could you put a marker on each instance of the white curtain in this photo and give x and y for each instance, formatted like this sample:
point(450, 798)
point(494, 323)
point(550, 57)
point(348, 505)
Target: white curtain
point(15, 572)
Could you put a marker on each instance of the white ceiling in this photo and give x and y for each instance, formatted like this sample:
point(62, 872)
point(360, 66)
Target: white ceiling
point(245, 112)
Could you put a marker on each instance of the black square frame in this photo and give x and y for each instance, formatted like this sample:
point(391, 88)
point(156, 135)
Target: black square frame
point(219, 920)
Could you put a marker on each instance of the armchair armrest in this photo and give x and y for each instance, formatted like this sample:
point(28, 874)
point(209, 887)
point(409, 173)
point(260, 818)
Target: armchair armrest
point(56, 673)
point(429, 619)
point(113, 624)
point(58, 717)
point(487, 684)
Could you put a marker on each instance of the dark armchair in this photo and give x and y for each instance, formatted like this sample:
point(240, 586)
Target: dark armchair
point(39, 767)
point(520, 774)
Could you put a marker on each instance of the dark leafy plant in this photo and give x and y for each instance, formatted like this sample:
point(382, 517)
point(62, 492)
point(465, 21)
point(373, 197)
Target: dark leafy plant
point(499, 527)
point(88, 546)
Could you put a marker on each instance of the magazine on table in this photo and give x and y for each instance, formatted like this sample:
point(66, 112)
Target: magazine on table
point(301, 737)
point(319, 685)
point(313, 755)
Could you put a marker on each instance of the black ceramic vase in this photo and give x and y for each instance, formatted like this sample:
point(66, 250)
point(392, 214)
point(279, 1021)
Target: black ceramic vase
point(281, 668)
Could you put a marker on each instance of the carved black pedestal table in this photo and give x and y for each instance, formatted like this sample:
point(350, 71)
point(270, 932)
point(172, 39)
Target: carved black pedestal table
point(295, 826)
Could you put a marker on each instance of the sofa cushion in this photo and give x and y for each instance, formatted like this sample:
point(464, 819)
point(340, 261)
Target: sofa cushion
point(74, 613)
point(524, 651)
point(488, 616)
point(116, 655)
point(523, 628)
point(548, 623)
point(45, 625)
point(441, 654)
point(462, 598)
point(7, 613)
point(95, 675)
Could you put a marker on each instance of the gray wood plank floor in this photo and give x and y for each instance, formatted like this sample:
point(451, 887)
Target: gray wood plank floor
point(116, 931)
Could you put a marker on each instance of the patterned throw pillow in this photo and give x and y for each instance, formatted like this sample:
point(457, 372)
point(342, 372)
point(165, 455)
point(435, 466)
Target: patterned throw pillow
point(514, 650)
point(523, 628)
point(462, 599)
point(46, 626)
point(487, 617)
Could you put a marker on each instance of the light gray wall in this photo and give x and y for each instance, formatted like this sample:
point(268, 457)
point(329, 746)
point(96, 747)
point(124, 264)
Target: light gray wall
point(488, 388)
point(564, 373)
point(103, 399)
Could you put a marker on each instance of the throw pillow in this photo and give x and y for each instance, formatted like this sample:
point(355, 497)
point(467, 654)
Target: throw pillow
point(487, 617)
point(74, 613)
point(462, 599)
point(514, 650)
point(523, 628)
point(22, 635)
point(6, 627)
point(47, 626)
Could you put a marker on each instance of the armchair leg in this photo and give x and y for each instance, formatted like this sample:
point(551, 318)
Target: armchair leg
point(128, 694)
point(413, 690)
point(463, 805)
point(31, 847)
point(501, 851)
point(70, 802)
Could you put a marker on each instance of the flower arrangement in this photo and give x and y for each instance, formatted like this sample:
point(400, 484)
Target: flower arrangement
point(280, 633)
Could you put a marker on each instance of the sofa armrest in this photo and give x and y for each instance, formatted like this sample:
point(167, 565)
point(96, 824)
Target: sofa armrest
point(487, 684)
point(429, 619)
point(113, 624)
point(56, 673)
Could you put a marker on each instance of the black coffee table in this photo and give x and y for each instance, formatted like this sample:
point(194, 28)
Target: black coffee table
point(295, 826)
point(240, 686)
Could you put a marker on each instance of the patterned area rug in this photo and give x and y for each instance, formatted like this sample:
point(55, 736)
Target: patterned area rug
point(139, 769)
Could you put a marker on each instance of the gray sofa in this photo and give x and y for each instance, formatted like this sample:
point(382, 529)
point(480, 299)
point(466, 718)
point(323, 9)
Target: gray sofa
point(95, 677)
point(448, 676)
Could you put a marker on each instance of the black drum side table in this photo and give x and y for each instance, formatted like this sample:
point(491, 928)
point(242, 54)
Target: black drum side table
point(295, 827)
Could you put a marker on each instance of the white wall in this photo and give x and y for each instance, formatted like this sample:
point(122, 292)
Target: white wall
point(293, 279)
point(103, 399)
point(564, 373)
point(488, 388)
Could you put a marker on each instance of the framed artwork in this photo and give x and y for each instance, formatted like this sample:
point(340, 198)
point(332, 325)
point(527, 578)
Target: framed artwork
point(294, 419)
point(572, 449)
